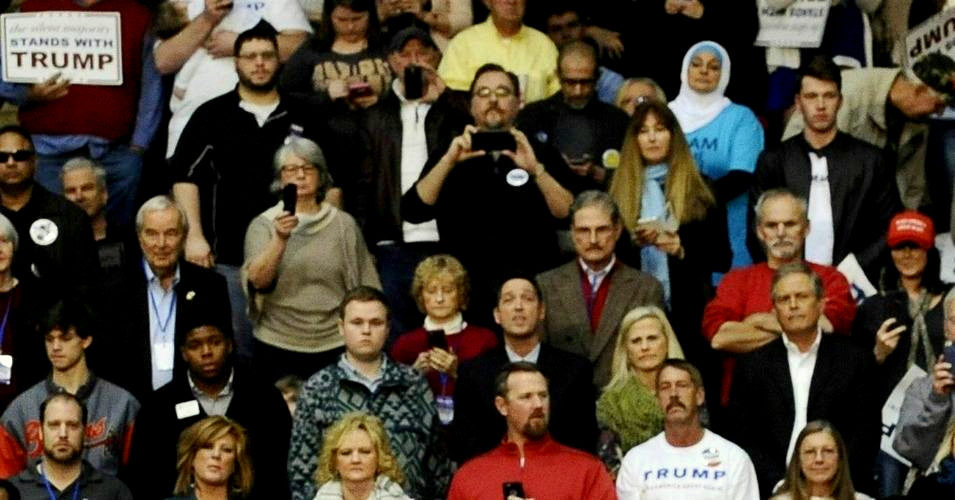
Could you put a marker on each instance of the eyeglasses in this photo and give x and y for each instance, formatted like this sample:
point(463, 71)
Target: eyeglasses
point(298, 169)
point(500, 92)
point(18, 155)
point(268, 55)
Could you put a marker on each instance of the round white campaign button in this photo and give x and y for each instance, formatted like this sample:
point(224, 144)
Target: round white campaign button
point(44, 232)
point(518, 177)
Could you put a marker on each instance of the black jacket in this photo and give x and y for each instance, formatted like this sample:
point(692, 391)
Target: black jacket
point(228, 156)
point(763, 407)
point(201, 293)
point(255, 405)
point(377, 205)
point(862, 188)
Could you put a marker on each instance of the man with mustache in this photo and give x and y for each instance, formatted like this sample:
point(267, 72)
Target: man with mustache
point(803, 376)
point(477, 426)
point(740, 318)
point(508, 188)
point(685, 460)
point(591, 294)
point(63, 473)
point(547, 469)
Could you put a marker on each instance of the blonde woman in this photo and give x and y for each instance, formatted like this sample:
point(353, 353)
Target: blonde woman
point(628, 412)
point(356, 462)
point(673, 220)
point(213, 461)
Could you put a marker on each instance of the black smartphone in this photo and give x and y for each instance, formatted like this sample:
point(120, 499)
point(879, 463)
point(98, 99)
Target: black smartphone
point(436, 338)
point(289, 196)
point(513, 489)
point(949, 357)
point(414, 82)
point(497, 140)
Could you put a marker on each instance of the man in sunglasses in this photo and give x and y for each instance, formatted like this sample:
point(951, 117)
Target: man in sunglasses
point(56, 251)
point(588, 133)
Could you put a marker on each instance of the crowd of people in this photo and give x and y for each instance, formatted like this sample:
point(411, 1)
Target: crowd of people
point(393, 249)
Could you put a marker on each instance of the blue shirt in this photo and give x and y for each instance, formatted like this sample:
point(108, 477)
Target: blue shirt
point(162, 324)
point(732, 141)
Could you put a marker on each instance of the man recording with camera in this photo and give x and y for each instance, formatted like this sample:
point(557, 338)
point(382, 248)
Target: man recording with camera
point(497, 197)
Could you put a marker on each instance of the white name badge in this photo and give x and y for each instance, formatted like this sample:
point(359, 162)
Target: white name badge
point(165, 354)
point(187, 409)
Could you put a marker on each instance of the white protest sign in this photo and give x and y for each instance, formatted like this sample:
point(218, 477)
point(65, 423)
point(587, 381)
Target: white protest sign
point(800, 25)
point(83, 47)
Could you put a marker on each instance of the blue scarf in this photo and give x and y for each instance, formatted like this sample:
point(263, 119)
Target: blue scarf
point(653, 203)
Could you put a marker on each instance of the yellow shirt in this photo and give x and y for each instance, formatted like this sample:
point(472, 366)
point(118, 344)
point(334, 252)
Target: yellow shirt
point(529, 54)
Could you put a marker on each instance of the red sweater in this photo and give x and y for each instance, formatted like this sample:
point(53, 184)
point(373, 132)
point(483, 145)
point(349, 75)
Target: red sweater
point(746, 290)
point(466, 344)
point(98, 110)
point(550, 471)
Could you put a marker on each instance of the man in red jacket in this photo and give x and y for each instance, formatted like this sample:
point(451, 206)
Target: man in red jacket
point(529, 464)
point(740, 318)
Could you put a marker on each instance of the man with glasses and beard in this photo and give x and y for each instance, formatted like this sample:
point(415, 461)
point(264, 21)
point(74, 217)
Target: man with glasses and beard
point(529, 464)
point(685, 460)
point(493, 185)
point(223, 164)
point(62, 473)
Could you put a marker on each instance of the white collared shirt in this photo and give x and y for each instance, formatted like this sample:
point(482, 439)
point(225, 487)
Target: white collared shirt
point(596, 278)
point(821, 237)
point(414, 154)
point(801, 367)
point(531, 356)
point(162, 309)
point(213, 405)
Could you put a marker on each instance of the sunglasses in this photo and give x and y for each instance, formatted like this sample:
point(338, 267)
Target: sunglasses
point(18, 155)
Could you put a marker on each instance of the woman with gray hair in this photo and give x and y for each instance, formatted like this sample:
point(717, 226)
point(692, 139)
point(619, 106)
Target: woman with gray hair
point(298, 265)
point(17, 340)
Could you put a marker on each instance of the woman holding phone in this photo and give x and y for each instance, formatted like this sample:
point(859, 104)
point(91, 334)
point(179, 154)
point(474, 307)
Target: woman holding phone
point(904, 325)
point(440, 287)
point(298, 266)
point(674, 221)
point(344, 62)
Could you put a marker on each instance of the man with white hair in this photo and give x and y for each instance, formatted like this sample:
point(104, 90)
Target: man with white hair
point(157, 291)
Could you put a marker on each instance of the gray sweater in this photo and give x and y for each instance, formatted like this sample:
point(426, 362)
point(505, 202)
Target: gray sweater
point(923, 420)
point(325, 257)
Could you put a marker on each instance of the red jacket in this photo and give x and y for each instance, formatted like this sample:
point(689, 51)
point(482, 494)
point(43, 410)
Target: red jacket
point(550, 471)
point(746, 290)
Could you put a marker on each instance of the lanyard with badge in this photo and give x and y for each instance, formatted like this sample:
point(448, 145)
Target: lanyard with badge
point(53, 496)
point(6, 360)
point(164, 347)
